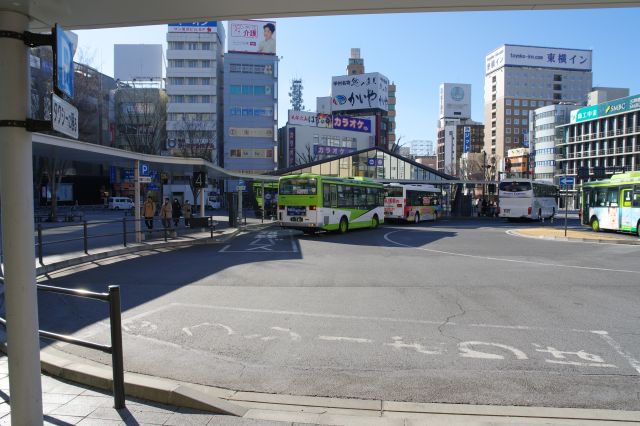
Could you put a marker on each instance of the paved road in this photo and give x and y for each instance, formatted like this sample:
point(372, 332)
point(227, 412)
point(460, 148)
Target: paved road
point(457, 311)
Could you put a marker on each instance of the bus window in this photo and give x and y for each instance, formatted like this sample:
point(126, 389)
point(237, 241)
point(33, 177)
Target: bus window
point(334, 196)
point(612, 197)
point(326, 195)
point(601, 195)
point(636, 196)
point(371, 197)
point(515, 186)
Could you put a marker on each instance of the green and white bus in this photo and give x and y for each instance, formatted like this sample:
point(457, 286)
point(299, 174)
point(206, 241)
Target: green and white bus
point(312, 202)
point(613, 203)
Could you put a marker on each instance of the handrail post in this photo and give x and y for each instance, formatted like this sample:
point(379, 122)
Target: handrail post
point(85, 237)
point(124, 231)
point(117, 362)
point(40, 244)
point(211, 225)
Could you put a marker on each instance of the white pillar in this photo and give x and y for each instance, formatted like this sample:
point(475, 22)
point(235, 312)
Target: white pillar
point(203, 191)
point(136, 201)
point(16, 191)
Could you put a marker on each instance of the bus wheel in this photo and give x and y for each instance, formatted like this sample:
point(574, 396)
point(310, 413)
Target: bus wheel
point(375, 222)
point(417, 217)
point(638, 229)
point(344, 225)
point(595, 225)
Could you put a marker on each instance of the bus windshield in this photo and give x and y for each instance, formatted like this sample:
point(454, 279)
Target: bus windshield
point(394, 192)
point(299, 186)
point(515, 186)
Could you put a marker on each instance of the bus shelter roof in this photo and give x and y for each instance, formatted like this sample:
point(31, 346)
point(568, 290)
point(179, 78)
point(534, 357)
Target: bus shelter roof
point(72, 150)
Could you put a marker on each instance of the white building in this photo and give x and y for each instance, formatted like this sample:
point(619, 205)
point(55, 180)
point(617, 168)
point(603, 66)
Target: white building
point(194, 84)
point(422, 148)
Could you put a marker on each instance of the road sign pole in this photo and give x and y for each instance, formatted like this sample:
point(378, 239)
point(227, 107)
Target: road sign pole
point(566, 205)
point(136, 201)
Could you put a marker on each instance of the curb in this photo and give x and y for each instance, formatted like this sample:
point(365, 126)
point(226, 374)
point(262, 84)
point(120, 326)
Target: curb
point(574, 239)
point(318, 410)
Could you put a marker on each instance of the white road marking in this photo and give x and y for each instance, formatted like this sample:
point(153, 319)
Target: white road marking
point(294, 336)
point(187, 330)
point(225, 248)
point(514, 233)
point(467, 352)
point(364, 318)
point(580, 364)
point(616, 347)
point(294, 247)
point(345, 339)
point(501, 259)
point(398, 343)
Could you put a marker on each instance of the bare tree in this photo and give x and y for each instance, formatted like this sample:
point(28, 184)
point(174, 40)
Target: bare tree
point(306, 157)
point(141, 115)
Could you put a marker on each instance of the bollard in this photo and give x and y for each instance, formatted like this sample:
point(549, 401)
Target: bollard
point(85, 236)
point(124, 231)
point(117, 362)
point(40, 244)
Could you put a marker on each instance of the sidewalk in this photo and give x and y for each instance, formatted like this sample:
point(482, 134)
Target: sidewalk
point(66, 403)
point(553, 233)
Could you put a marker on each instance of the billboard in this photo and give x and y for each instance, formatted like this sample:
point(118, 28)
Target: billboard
point(137, 62)
point(193, 27)
point(627, 104)
point(539, 57)
point(307, 118)
point(467, 139)
point(361, 91)
point(455, 100)
point(356, 124)
point(252, 37)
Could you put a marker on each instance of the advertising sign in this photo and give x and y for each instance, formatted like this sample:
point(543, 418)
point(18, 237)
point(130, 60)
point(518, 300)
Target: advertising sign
point(137, 62)
point(517, 152)
point(292, 146)
point(331, 150)
point(265, 132)
point(539, 57)
point(455, 100)
point(193, 27)
point(362, 91)
point(306, 118)
point(375, 162)
point(65, 48)
point(467, 139)
point(629, 103)
point(351, 123)
point(252, 37)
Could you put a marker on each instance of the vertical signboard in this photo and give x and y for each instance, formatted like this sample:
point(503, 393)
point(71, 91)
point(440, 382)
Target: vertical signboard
point(292, 146)
point(467, 139)
point(65, 47)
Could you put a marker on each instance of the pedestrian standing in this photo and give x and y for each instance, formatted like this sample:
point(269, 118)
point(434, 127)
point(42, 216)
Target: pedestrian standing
point(186, 212)
point(176, 211)
point(149, 211)
point(484, 207)
point(166, 213)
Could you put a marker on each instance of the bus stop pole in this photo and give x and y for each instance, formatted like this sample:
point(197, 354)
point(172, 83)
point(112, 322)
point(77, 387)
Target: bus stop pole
point(264, 201)
point(16, 187)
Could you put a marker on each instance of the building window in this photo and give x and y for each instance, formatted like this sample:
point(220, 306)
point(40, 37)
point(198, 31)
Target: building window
point(507, 111)
point(507, 120)
point(516, 102)
point(516, 121)
point(516, 112)
point(507, 102)
point(235, 89)
point(508, 130)
point(235, 68)
point(524, 121)
point(192, 63)
point(525, 102)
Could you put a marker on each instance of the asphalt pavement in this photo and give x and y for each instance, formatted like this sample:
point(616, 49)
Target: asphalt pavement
point(458, 311)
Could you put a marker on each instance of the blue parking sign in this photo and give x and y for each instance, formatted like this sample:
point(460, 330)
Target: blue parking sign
point(65, 49)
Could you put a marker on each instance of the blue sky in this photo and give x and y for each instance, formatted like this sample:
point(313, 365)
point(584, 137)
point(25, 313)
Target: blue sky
point(419, 51)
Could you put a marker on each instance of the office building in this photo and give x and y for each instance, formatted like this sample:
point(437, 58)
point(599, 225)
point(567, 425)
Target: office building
point(544, 134)
point(455, 138)
point(600, 140)
point(194, 87)
point(519, 79)
point(598, 95)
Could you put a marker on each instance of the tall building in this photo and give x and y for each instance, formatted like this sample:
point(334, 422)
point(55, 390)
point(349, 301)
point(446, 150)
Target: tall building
point(356, 63)
point(519, 79)
point(455, 100)
point(194, 85)
point(543, 138)
point(392, 114)
point(598, 95)
point(601, 140)
point(250, 112)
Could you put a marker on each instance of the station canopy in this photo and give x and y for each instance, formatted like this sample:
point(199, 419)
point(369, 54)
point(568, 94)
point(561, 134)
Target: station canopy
point(374, 163)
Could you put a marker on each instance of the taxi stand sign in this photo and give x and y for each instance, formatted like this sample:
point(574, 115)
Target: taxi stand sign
point(64, 116)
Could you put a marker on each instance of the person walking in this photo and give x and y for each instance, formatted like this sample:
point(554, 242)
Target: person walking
point(177, 212)
point(149, 211)
point(166, 213)
point(186, 212)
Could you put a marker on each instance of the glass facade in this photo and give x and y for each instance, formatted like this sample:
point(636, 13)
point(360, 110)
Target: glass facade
point(374, 164)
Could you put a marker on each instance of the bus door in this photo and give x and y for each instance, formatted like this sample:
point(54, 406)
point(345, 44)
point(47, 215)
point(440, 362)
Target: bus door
point(626, 201)
point(334, 196)
point(587, 201)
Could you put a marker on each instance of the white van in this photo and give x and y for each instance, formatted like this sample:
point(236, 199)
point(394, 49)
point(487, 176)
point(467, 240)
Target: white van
point(120, 203)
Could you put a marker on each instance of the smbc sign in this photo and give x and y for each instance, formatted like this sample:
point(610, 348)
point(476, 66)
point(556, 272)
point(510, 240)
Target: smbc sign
point(618, 106)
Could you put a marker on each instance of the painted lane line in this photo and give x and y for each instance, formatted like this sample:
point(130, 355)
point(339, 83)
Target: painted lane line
point(345, 339)
point(580, 364)
point(294, 336)
point(528, 262)
point(635, 364)
point(223, 249)
point(364, 318)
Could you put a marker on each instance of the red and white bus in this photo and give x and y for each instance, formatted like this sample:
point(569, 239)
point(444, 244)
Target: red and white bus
point(412, 202)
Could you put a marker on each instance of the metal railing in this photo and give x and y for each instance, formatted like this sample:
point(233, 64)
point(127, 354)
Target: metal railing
point(124, 234)
point(115, 349)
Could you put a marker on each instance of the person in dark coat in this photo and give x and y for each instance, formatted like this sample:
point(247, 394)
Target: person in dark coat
point(177, 211)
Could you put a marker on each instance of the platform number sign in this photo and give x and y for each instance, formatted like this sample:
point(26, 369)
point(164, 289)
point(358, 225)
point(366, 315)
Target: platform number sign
point(199, 180)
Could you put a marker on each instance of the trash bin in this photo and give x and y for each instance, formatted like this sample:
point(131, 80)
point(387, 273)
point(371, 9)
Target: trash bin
point(232, 202)
point(200, 222)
